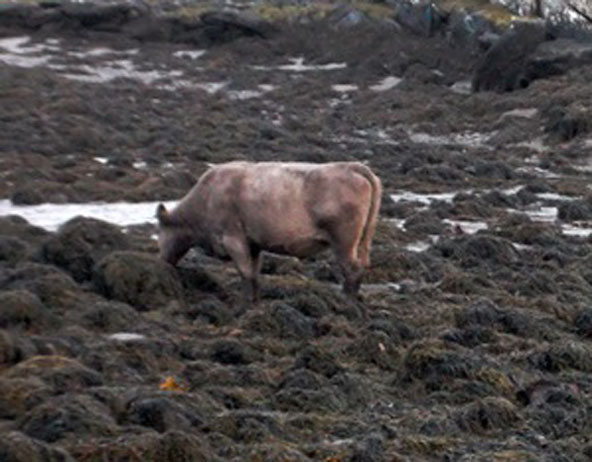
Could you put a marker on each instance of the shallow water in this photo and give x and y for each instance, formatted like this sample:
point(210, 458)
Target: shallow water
point(51, 216)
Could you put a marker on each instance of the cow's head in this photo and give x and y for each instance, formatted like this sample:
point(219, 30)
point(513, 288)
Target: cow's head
point(174, 238)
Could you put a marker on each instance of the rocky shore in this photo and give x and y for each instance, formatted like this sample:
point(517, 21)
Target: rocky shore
point(472, 341)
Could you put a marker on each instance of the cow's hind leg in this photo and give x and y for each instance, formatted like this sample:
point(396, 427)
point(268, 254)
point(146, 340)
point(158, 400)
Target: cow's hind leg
point(346, 239)
point(246, 263)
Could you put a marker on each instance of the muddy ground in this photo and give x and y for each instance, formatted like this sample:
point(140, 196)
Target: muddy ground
point(471, 342)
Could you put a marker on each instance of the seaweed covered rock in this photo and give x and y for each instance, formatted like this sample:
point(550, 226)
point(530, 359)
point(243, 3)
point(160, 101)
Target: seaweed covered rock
point(17, 227)
point(21, 308)
point(477, 250)
point(55, 289)
point(80, 243)
point(161, 414)
point(491, 414)
point(18, 447)
point(58, 372)
point(12, 249)
point(142, 280)
point(19, 395)
point(580, 209)
point(503, 66)
point(68, 415)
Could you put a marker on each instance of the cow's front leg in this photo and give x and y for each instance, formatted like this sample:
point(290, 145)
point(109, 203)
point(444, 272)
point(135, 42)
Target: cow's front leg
point(238, 249)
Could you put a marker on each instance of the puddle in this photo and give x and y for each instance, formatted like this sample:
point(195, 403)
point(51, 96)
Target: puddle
point(297, 65)
point(249, 94)
point(386, 84)
point(209, 87)
point(537, 172)
point(425, 199)
point(583, 230)
point(95, 52)
point(420, 246)
point(126, 337)
point(120, 69)
point(51, 216)
point(467, 227)
point(467, 139)
point(463, 87)
point(543, 214)
point(555, 197)
point(526, 113)
point(191, 54)
point(345, 88)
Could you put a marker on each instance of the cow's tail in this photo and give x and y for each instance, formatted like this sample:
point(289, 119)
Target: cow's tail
point(370, 224)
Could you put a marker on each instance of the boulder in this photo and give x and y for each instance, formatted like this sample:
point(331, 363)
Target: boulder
point(161, 414)
point(502, 68)
point(80, 243)
point(17, 447)
point(12, 249)
point(557, 57)
point(17, 227)
point(564, 124)
point(68, 415)
point(142, 280)
point(21, 308)
point(59, 372)
point(224, 26)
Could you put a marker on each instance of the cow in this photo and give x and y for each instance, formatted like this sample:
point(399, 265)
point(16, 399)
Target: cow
point(240, 209)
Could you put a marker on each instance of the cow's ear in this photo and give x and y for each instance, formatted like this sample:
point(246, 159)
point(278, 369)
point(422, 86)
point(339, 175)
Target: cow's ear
point(163, 215)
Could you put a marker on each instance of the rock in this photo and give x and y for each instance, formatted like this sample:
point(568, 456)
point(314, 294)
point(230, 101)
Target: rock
point(483, 313)
point(375, 347)
point(225, 26)
point(565, 124)
point(58, 372)
point(161, 414)
point(478, 250)
point(583, 323)
point(488, 415)
point(580, 209)
point(502, 68)
point(68, 415)
point(17, 447)
point(142, 280)
point(308, 400)
point(21, 308)
point(424, 222)
point(292, 323)
point(106, 17)
point(471, 30)
point(36, 192)
point(317, 360)
point(247, 427)
point(54, 288)
point(557, 57)
point(229, 352)
point(371, 449)
point(19, 395)
point(434, 363)
point(110, 317)
point(210, 310)
point(17, 227)
point(176, 446)
point(12, 249)
point(80, 243)
point(422, 18)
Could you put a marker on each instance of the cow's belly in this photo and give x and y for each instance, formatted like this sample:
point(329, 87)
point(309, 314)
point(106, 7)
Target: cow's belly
point(301, 248)
point(278, 237)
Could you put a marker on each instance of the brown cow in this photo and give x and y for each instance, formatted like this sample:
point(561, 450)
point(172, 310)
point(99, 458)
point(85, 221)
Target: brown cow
point(239, 209)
